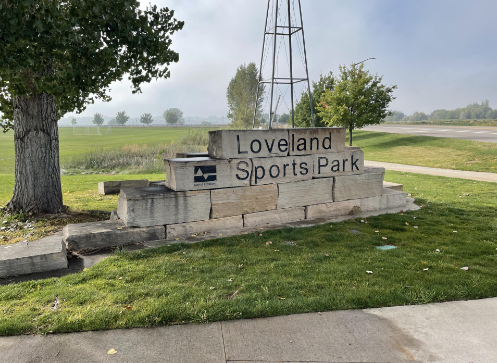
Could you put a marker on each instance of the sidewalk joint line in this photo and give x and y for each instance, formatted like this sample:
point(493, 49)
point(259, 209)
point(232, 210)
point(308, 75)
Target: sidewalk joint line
point(224, 345)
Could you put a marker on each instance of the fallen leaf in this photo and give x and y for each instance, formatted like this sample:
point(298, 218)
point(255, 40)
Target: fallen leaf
point(282, 298)
point(276, 250)
point(374, 231)
point(425, 269)
point(85, 269)
point(260, 235)
point(454, 231)
point(362, 220)
point(112, 351)
point(230, 297)
point(177, 239)
point(369, 272)
point(263, 228)
point(220, 235)
point(269, 243)
point(318, 311)
point(212, 287)
point(465, 268)
point(407, 224)
point(437, 250)
point(326, 255)
point(128, 307)
point(230, 280)
point(384, 238)
point(415, 227)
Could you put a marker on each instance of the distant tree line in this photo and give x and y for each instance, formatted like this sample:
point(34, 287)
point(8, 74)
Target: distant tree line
point(474, 111)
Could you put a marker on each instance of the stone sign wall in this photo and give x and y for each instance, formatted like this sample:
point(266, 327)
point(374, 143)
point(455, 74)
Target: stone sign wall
point(255, 178)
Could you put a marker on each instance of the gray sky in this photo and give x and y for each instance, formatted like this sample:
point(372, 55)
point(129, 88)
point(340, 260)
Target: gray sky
point(440, 53)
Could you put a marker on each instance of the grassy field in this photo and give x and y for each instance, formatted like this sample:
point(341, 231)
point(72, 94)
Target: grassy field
point(243, 277)
point(74, 145)
point(428, 151)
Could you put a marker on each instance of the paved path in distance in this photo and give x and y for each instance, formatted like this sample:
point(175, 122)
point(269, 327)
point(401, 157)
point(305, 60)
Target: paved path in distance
point(476, 133)
point(471, 175)
point(451, 332)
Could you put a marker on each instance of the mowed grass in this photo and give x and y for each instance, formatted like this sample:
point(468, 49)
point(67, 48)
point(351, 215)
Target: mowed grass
point(428, 151)
point(243, 277)
point(73, 145)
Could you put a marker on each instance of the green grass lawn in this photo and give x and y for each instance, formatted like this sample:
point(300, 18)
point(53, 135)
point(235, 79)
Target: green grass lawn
point(242, 277)
point(72, 145)
point(428, 151)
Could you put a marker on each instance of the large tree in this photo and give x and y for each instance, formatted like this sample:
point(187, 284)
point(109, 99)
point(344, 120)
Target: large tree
point(146, 119)
point(303, 117)
point(358, 99)
point(241, 95)
point(58, 56)
point(122, 118)
point(98, 119)
point(174, 116)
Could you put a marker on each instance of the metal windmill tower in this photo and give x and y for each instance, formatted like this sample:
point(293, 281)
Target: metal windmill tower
point(284, 26)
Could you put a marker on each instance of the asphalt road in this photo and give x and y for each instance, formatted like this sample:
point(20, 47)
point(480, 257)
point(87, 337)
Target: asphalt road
point(476, 133)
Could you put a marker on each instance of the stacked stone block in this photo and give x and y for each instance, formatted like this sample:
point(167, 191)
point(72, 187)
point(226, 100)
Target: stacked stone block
point(257, 178)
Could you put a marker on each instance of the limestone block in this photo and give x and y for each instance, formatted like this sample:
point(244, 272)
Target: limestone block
point(393, 186)
point(349, 162)
point(206, 173)
point(367, 185)
point(329, 210)
point(281, 169)
point(304, 193)
point(113, 215)
point(211, 226)
point(274, 217)
point(245, 200)
point(388, 200)
point(319, 140)
point(89, 236)
point(242, 144)
point(156, 206)
point(192, 155)
point(46, 254)
point(394, 198)
point(114, 187)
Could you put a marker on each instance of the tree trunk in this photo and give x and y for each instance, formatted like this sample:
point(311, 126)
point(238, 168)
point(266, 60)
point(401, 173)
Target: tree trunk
point(36, 138)
point(350, 135)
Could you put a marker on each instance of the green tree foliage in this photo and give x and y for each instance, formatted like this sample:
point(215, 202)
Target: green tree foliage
point(241, 96)
point(57, 57)
point(303, 109)
point(473, 111)
point(284, 119)
point(98, 119)
point(358, 99)
point(146, 119)
point(74, 122)
point(396, 116)
point(122, 118)
point(174, 116)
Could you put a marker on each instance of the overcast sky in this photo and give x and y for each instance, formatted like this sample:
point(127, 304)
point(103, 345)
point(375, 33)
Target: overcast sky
point(440, 53)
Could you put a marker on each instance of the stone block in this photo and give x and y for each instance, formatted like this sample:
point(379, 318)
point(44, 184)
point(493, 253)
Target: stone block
point(94, 235)
point(206, 173)
point(394, 198)
point(211, 226)
point(274, 217)
point(156, 206)
point(329, 210)
point(192, 155)
point(113, 215)
point(114, 187)
point(304, 193)
point(319, 140)
point(44, 255)
point(243, 144)
point(367, 185)
point(281, 169)
point(245, 200)
point(388, 200)
point(393, 186)
point(349, 162)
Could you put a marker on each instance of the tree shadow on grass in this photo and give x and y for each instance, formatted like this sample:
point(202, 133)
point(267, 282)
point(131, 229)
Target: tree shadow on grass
point(406, 141)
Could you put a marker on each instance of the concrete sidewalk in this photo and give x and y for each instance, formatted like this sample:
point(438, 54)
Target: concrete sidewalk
point(451, 332)
point(471, 175)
